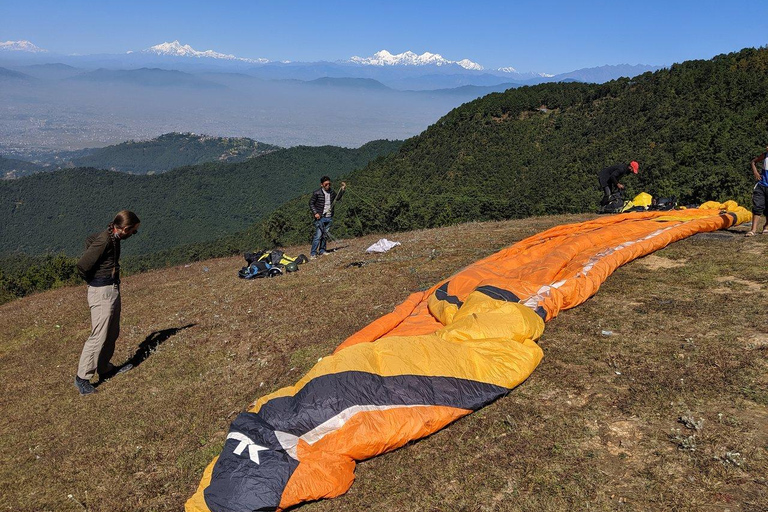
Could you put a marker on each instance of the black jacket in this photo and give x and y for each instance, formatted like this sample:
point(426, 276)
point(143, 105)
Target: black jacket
point(100, 263)
point(317, 201)
point(610, 176)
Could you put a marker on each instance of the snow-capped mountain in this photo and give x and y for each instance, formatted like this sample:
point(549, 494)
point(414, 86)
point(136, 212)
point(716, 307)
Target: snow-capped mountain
point(513, 71)
point(20, 46)
point(384, 58)
point(176, 49)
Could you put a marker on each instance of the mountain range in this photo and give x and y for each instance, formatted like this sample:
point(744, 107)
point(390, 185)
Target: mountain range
point(383, 65)
point(56, 102)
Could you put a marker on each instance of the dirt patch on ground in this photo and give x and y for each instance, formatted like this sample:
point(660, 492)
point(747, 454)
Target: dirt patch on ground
point(654, 262)
point(620, 436)
point(758, 342)
point(732, 282)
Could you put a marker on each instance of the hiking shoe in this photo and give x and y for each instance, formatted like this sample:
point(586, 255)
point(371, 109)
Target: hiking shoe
point(84, 386)
point(313, 257)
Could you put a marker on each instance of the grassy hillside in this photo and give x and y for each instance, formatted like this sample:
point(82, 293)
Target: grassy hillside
point(669, 412)
point(537, 150)
point(170, 151)
point(54, 212)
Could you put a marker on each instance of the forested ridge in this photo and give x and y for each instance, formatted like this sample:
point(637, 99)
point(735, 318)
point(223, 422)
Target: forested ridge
point(163, 153)
point(53, 212)
point(170, 151)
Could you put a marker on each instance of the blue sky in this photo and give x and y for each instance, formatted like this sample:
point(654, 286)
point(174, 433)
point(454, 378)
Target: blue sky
point(551, 36)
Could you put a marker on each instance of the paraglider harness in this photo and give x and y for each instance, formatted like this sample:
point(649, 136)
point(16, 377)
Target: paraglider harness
point(616, 204)
point(269, 264)
point(664, 204)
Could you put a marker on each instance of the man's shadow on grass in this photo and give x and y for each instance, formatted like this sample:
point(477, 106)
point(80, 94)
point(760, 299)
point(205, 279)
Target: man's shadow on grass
point(147, 347)
point(151, 342)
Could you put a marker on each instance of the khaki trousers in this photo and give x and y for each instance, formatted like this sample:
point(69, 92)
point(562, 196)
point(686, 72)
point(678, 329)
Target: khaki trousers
point(105, 305)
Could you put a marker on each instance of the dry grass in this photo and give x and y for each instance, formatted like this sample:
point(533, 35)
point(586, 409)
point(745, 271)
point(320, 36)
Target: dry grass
point(605, 422)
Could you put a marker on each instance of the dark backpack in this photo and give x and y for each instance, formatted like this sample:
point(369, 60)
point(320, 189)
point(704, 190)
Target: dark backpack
point(665, 203)
point(269, 264)
point(259, 269)
point(617, 204)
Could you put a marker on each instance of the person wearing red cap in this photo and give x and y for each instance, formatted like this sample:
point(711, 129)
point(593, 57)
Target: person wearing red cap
point(609, 179)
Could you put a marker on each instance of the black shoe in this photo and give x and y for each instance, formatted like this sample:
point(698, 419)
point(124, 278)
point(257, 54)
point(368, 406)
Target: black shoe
point(84, 386)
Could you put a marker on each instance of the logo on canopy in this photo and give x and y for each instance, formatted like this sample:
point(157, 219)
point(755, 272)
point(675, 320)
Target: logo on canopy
point(245, 441)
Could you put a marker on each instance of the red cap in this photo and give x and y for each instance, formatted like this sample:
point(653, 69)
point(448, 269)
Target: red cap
point(635, 166)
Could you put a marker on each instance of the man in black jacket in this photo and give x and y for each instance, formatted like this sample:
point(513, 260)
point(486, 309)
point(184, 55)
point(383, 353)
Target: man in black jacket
point(609, 179)
point(321, 204)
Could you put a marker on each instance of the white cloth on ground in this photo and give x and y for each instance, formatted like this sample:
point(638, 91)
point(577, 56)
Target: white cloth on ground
point(383, 245)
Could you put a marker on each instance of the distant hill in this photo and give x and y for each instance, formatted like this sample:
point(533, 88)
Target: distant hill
point(172, 150)
point(10, 75)
point(12, 168)
point(52, 212)
point(147, 77)
point(53, 71)
point(602, 74)
point(473, 91)
point(360, 83)
point(433, 82)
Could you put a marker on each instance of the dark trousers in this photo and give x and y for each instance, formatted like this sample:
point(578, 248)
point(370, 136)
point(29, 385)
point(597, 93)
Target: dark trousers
point(759, 197)
point(609, 194)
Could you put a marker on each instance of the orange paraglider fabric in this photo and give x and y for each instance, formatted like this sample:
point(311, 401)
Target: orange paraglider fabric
point(438, 356)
